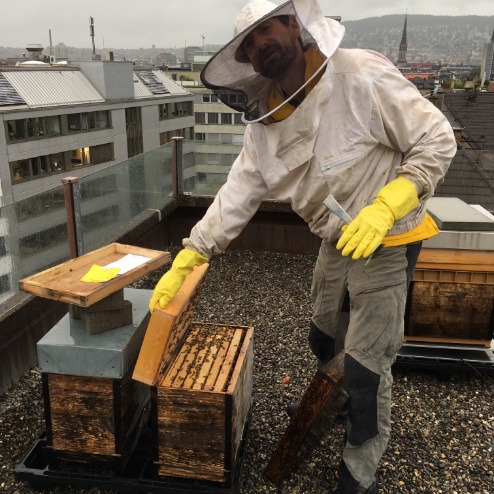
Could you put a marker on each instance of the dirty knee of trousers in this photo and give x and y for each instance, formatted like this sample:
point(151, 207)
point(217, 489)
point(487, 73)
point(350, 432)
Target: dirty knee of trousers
point(321, 345)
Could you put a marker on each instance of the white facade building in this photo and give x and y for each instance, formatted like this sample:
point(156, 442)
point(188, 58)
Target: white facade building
point(219, 136)
point(60, 121)
point(73, 120)
point(487, 65)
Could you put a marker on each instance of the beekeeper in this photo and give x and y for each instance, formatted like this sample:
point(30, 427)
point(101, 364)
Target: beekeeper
point(325, 120)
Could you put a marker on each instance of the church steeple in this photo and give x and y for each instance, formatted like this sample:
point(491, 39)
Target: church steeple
point(402, 54)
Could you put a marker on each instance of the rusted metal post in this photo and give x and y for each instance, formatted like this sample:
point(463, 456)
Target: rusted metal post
point(73, 209)
point(177, 166)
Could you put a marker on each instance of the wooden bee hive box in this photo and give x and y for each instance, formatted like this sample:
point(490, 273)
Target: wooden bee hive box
point(91, 419)
point(202, 385)
point(451, 298)
point(94, 410)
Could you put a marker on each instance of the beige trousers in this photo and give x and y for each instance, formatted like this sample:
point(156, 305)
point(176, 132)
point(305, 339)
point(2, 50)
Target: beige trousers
point(377, 292)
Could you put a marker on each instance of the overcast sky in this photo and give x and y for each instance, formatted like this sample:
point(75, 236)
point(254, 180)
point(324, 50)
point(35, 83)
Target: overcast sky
point(174, 23)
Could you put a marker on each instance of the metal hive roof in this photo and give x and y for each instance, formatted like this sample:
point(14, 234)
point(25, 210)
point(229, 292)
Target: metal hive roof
point(46, 88)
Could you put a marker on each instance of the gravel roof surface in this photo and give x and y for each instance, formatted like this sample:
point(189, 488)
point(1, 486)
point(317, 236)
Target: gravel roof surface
point(443, 428)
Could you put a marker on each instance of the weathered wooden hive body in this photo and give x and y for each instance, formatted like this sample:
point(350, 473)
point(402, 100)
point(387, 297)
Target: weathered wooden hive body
point(201, 377)
point(451, 298)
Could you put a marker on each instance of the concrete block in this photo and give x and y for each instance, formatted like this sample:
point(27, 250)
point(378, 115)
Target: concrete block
point(112, 302)
point(104, 320)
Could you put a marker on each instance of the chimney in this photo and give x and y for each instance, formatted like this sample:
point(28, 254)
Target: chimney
point(440, 100)
point(458, 133)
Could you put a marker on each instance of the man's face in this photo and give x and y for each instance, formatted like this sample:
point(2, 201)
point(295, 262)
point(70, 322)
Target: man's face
point(272, 46)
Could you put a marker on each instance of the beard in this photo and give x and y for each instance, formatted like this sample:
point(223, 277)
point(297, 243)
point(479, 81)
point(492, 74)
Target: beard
point(281, 58)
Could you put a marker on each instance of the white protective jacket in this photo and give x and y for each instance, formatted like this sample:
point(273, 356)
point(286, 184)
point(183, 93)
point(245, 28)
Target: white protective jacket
point(361, 126)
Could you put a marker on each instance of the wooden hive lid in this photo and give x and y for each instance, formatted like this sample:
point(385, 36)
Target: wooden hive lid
point(167, 328)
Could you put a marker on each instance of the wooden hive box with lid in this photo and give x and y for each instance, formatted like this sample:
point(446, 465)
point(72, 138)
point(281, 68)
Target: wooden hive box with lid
point(201, 378)
point(94, 411)
point(451, 297)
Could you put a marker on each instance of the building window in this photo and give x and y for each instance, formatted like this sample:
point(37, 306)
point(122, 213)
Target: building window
point(209, 98)
point(37, 167)
point(51, 164)
point(200, 136)
point(213, 137)
point(165, 137)
point(74, 122)
point(56, 163)
point(100, 154)
point(101, 120)
point(4, 283)
point(164, 110)
point(21, 170)
point(93, 155)
point(187, 133)
point(48, 126)
point(226, 118)
point(27, 129)
point(186, 108)
point(133, 123)
point(3, 248)
point(213, 118)
point(200, 118)
point(176, 110)
point(78, 158)
point(237, 119)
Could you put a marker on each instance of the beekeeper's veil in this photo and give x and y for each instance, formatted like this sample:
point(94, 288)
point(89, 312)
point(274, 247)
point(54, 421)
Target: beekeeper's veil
point(230, 74)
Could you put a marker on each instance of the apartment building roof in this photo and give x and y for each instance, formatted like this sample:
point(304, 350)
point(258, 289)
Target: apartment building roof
point(474, 112)
point(42, 88)
point(470, 178)
point(471, 174)
point(45, 87)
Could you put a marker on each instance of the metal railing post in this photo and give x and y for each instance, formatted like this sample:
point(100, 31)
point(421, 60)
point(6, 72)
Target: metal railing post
point(177, 166)
point(73, 209)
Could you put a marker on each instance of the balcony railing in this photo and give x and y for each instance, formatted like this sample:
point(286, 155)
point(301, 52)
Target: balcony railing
point(84, 214)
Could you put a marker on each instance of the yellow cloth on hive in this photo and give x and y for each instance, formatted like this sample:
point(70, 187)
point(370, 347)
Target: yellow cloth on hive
point(97, 274)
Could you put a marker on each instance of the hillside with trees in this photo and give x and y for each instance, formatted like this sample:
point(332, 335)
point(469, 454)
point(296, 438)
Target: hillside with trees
point(430, 38)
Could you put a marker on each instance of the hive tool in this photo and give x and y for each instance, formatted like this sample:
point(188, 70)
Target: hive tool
point(332, 204)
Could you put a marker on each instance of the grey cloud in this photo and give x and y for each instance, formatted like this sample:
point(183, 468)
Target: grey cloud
point(169, 23)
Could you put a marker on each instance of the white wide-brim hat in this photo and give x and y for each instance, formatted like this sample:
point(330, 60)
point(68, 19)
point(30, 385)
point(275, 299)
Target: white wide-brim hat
point(231, 62)
point(233, 78)
point(251, 16)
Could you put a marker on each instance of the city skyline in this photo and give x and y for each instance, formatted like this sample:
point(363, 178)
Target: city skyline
point(119, 24)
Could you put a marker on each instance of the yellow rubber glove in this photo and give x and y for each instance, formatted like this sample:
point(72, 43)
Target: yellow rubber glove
point(171, 281)
point(366, 232)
